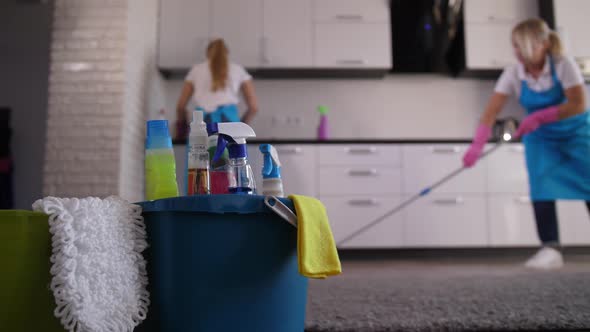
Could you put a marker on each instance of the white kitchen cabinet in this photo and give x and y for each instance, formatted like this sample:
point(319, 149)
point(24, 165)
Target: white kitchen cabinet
point(239, 22)
point(512, 221)
point(287, 40)
point(347, 180)
point(507, 171)
point(360, 154)
point(346, 11)
point(488, 46)
point(353, 45)
point(447, 220)
point(571, 21)
point(500, 11)
point(351, 213)
point(425, 164)
point(184, 32)
point(298, 170)
point(574, 223)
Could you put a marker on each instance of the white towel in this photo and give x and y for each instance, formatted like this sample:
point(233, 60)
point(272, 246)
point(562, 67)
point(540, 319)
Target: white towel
point(99, 275)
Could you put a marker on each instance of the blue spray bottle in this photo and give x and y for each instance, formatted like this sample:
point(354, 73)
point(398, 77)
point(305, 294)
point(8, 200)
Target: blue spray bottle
point(272, 185)
point(233, 135)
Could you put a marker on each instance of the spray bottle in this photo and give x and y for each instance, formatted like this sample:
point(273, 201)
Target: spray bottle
point(160, 165)
point(239, 173)
point(323, 126)
point(271, 172)
point(198, 157)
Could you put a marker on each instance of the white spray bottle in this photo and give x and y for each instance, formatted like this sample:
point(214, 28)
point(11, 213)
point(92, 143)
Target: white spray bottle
point(198, 157)
point(234, 135)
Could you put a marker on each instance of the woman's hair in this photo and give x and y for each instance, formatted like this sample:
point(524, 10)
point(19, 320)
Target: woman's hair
point(529, 33)
point(217, 53)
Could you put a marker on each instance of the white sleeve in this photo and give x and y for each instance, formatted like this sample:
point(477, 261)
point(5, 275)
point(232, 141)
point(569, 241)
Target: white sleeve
point(190, 77)
point(243, 75)
point(506, 84)
point(570, 74)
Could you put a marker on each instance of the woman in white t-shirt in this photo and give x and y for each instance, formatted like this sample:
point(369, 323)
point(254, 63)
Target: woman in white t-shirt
point(214, 86)
point(555, 132)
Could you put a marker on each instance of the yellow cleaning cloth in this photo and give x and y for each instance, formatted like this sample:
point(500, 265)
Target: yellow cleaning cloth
point(316, 249)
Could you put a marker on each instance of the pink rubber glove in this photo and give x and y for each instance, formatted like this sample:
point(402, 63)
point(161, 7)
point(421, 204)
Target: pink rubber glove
point(537, 119)
point(480, 139)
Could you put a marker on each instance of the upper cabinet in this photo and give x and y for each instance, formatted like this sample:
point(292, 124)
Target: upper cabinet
point(184, 33)
point(488, 25)
point(287, 34)
point(571, 21)
point(499, 11)
point(239, 22)
point(278, 34)
point(352, 34)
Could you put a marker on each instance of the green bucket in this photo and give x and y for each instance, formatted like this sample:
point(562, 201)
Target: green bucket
point(26, 302)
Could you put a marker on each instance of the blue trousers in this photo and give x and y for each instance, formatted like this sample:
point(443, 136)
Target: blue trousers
point(546, 217)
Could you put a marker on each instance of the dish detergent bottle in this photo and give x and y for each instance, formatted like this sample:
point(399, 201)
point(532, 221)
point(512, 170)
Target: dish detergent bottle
point(160, 165)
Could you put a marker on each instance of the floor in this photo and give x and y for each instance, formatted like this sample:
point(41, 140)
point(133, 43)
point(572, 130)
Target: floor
point(454, 292)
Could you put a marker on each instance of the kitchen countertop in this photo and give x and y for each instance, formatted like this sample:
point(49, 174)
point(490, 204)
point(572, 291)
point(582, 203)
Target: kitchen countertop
point(353, 141)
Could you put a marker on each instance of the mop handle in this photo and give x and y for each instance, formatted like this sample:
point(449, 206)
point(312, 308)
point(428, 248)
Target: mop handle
point(412, 199)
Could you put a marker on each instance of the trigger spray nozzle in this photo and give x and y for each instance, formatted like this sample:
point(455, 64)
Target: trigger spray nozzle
point(272, 165)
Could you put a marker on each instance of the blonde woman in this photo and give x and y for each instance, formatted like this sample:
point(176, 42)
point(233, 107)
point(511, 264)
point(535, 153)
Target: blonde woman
point(555, 132)
point(214, 86)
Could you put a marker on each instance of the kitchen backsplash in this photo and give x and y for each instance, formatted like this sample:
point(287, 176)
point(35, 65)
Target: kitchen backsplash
point(399, 106)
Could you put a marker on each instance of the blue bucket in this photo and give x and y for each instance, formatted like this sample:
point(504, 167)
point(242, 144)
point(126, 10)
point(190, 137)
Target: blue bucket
point(222, 263)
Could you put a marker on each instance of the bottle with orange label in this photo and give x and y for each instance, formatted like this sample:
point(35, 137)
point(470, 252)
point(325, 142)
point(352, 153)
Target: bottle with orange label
point(198, 182)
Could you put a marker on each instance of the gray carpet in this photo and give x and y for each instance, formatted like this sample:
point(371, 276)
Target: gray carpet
point(418, 295)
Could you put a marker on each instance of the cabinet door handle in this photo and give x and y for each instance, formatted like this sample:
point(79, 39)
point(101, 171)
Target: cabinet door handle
point(523, 200)
point(351, 62)
point(449, 201)
point(368, 150)
point(363, 172)
point(295, 150)
point(363, 202)
point(446, 149)
point(349, 17)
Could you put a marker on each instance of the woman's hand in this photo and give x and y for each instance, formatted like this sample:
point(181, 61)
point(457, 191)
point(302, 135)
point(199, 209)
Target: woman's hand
point(251, 101)
point(537, 119)
point(482, 135)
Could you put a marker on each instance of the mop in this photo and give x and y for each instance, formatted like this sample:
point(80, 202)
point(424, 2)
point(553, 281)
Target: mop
point(508, 127)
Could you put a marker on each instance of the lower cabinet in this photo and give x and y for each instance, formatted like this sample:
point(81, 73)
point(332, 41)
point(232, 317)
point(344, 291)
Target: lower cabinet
point(349, 214)
point(446, 220)
point(511, 221)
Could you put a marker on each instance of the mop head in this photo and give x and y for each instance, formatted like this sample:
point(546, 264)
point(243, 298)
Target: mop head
point(99, 275)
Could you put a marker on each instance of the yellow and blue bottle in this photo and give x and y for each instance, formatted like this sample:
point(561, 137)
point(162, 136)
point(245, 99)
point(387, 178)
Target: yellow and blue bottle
point(160, 165)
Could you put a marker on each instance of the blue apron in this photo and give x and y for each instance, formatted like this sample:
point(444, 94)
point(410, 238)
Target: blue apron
point(557, 154)
point(223, 113)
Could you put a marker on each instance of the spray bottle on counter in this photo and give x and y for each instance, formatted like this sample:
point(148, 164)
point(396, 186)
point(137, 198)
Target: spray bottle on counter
point(271, 172)
point(160, 165)
point(323, 125)
point(239, 173)
point(198, 157)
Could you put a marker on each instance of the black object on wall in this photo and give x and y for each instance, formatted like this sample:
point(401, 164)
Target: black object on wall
point(427, 36)
point(547, 13)
point(6, 182)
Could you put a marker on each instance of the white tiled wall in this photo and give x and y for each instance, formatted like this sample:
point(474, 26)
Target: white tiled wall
point(399, 106)
point(102, 83)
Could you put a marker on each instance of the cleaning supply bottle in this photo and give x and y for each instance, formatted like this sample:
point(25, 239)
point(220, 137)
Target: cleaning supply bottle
point(160, 165)
point(198, 157)
point(239, 173)
point(272, 185)
point(323, 126)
